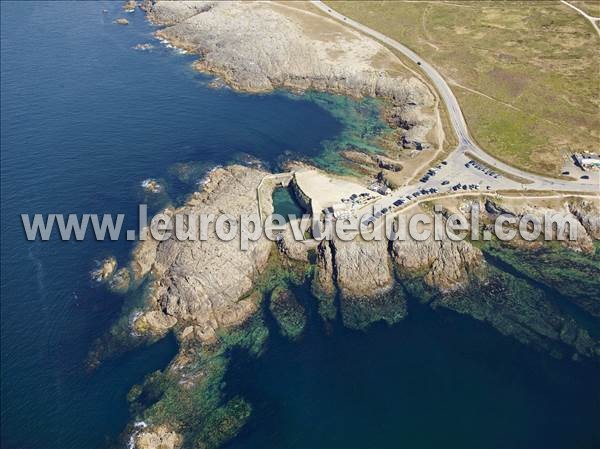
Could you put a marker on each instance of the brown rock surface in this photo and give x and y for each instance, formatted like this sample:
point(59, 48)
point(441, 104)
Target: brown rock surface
point(204, 282)
point(446, 264)
point(158, 438)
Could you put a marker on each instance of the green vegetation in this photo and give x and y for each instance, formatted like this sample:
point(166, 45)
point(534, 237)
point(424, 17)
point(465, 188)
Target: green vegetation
point(574, 275)
point(361, 313)
point(525, 73)
point(190, 399)
point(189, 396)
point(326, 306)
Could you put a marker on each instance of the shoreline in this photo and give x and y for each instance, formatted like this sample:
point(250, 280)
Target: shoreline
point(410, 108)
point(209, 297)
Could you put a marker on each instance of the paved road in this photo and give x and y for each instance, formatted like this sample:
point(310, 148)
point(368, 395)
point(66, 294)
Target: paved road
point(466, 143)
point(593, 20)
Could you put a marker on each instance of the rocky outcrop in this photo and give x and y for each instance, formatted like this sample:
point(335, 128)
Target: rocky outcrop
point(445, 264)
point(588, 214)
point(130, 5)
point(583, 215)
point(359, 268)
point(153, 322)
point(388, 164)
point(204, 282)
point(295, 249)
point(159, 437)
point(259, 46)
point(362, 268)
point(358, 157)
point(105, 269)
point(173, 12)
point(323, 282)
point(288, 313)
point(120, 280)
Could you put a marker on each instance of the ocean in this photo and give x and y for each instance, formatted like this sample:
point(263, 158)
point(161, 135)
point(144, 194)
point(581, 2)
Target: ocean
point(85, 119)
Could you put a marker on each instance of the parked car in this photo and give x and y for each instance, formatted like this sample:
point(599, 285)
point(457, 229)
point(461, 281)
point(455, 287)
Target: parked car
point(585, 177)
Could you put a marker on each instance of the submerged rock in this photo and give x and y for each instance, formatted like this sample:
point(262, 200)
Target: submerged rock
point(288, 312)
point(574, 275)
point(518, 310)
point(360, 313)
point(120, 280)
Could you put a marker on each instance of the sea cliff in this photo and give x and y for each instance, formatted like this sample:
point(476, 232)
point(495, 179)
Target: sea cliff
point(214, 296)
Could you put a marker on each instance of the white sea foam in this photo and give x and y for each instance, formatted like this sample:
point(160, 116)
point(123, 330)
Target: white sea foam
point(167, 44)
point(206, 178)
point(132, 320)
point(137, 425)
point(151, 185)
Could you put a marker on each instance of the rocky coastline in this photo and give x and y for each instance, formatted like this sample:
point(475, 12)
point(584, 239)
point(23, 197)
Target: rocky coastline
point(214, 297)
point(258, 47)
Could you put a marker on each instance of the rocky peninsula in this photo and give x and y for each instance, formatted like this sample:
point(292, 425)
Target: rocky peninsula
point(214, 296)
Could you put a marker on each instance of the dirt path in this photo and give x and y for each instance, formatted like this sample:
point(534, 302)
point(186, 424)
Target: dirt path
point(593, 20)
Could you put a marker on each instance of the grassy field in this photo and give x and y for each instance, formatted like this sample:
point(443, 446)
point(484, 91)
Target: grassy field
point(527, 74)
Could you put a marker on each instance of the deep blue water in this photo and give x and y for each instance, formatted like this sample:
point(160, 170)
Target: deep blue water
point(85, 118)
point(434, 380)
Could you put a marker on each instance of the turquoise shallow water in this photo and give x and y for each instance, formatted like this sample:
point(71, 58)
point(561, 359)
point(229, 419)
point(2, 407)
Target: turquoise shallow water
point(84, 120)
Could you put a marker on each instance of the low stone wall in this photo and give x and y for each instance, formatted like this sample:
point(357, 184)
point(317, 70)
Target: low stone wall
point(304, 200)
point(264, 191)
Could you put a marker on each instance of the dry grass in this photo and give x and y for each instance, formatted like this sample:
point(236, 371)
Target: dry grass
point(532, 69)
point(394, 64)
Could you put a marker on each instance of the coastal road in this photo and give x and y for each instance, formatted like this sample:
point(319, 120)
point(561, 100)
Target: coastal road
point(593, 20)
point(466, 143)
